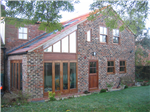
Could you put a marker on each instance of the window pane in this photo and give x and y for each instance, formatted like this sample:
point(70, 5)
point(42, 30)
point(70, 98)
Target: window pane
point(92, 70)
point(122, 68)
point(20, 76)
point(65, 75)
point(20, 36)
point(56, 47)
point(89, 35)
point(72, 75)
point(110, 69)
point(24, 30)
point(116, 32)
point(101, 30)
point(24, 36)
point(20, 29)
point(14, 84)
point(12, 71)
point(73, 42)
point(115, 40)
point(17, 76)
point(49, 49)
point(102, 38)
point(65, 44)
point(47, 77)
point(92, 64)
point(105, 31)
point(57, 76)
point(110, 63)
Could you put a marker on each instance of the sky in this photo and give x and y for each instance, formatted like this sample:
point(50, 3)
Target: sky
point(83, 8)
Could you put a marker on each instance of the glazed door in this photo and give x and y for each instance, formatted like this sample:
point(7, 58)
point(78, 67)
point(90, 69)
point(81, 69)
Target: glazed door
point(93, 75)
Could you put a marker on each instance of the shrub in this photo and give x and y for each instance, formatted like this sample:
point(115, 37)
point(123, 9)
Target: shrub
point(51, 96)
point(86, 92)
point(126, 86)
point(109, 85)
point(102, 90)
point(145, 84)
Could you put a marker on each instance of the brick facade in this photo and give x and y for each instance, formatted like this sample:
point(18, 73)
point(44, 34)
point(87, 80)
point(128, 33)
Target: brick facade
point(11, 35)
point(104, 52)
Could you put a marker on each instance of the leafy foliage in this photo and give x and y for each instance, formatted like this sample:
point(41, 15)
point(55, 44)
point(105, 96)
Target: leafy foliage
point(133, 13)
point(29, 12)
point(51, 96)
point(102, 90)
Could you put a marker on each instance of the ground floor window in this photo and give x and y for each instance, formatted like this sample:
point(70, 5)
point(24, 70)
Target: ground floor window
point(59, 76)
point(122, 66)
point(16, 74)
point(110, 67)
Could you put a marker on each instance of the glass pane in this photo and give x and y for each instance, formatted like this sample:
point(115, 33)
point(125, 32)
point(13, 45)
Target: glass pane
point(47, 77)
point(105, 31)
point(92, 64)
point(117, 33)
point(89, 36)
point(20, 76)
point(101, 30)
point(72, 75)
point(115, 40)
point(12, 71)
point(65, 75)
point(20, 29)
point(92, 70)
point(20, 36)
point(14, 84)
point(57, 76)
point(17, 76)
point(24, 36)
point(110, 69)
point(102, 38)
point(123, 63)
point(49, 49)
point(65, 44)
point(110, 63)
point(56, 47)
point(24, 30)
point(73, 42)
point(122, 69)
point(114, 32)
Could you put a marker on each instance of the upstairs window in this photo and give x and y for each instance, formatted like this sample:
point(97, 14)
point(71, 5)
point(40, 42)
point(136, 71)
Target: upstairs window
point(56, 47)
point(22, 33)
point(73, 42)
point(110, 67)
point(122, 67)
point(116, 36)
point(65, 44)
point(89, 35)
point(103, 34)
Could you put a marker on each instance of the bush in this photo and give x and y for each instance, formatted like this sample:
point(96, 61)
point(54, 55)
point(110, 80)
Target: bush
point(145, 84)
point(102, 90)
point(51, 96)
point(126, 86)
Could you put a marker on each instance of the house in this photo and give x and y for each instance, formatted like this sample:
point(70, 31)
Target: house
point(83, 56)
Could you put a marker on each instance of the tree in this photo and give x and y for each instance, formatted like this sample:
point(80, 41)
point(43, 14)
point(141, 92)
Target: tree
point(29, 12)
point(133, 13)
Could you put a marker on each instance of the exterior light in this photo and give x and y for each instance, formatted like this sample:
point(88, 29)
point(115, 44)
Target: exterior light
point(93, 53)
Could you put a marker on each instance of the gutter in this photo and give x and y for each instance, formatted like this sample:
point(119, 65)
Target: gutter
point(18, 53)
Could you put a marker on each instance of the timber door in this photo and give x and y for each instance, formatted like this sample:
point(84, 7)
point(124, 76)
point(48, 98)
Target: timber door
point(93, 75)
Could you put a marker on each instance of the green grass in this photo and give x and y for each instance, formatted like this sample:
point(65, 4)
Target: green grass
point(135, 99)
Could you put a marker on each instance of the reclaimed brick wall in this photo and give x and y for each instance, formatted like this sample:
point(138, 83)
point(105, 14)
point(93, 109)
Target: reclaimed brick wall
point(104, 52)
point(11, 35)
point(34, 79)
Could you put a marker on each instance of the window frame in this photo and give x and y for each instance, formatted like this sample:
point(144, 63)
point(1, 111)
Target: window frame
point(103, 35)
point(111, 67)
point(23, 33)
point(68, 36)
point(90, 35)
point(122, 66)
point(116, 36)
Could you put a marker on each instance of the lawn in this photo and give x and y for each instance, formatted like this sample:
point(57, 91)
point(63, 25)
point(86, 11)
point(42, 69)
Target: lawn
point(134, 99)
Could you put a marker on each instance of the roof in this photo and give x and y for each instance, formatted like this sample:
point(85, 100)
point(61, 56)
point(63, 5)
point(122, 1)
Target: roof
point(45, 37)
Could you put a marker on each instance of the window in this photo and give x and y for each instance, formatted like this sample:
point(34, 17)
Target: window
point(65, 44)
point(72, 75)
point(73, 42)
point(103, 34)
point(56, 47)
point(122, 67)
point(110, 67)
point(116, 36)
point(22, 33)
point(89, 35)
point(49, 49)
